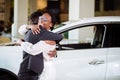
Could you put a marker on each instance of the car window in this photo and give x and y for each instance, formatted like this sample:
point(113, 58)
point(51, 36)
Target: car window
point(112, 35)
point(89, 37)
point(98, 37)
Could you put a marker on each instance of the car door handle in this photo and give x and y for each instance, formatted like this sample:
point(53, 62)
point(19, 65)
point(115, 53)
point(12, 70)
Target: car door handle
point(96, 62)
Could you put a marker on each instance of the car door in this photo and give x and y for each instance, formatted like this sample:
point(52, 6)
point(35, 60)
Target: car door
point(113, 58)
point(82, 60)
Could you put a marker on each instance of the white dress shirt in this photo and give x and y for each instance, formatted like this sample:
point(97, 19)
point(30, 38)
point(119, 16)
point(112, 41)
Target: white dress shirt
point(39, 47)
point(22, 29)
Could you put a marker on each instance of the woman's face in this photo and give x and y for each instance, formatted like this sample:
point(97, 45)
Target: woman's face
point(45, 21)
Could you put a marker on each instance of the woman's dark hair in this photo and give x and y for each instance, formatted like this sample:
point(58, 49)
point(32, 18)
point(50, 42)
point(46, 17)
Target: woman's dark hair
point(53, 18)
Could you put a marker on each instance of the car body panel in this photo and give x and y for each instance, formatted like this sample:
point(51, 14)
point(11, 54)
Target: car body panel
point(113, 66)
point(81, 64)
point(10, 58)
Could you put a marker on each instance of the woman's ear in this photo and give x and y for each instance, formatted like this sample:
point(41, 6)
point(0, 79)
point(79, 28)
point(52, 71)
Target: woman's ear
point(51, 25)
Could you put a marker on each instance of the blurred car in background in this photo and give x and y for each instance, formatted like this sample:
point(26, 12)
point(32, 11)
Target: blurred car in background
point(94, 56)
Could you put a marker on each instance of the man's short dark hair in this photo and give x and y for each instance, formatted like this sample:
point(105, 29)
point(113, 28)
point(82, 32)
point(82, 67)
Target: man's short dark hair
point(35, 16)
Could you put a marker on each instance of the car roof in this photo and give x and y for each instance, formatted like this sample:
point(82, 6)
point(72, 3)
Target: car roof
point(96, 19)
point(88, 21)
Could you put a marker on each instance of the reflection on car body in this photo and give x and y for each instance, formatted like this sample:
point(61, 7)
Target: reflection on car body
point(94, 58)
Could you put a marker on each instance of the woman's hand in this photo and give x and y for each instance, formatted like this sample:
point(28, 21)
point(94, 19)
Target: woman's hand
point(35, 29)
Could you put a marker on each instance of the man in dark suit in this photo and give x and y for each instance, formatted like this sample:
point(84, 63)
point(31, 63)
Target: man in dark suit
point(32, 66)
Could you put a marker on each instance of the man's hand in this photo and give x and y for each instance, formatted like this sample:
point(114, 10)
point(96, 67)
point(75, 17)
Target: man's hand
point(19, 41)
point(52, 53)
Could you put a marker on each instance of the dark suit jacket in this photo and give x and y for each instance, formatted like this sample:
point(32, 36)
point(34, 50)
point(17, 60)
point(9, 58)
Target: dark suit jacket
point(35, 63)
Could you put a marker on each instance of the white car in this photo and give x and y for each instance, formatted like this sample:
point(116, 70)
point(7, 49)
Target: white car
point(94, 56)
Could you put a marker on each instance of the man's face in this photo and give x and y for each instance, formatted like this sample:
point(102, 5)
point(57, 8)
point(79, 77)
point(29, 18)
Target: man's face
point(45, 21)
